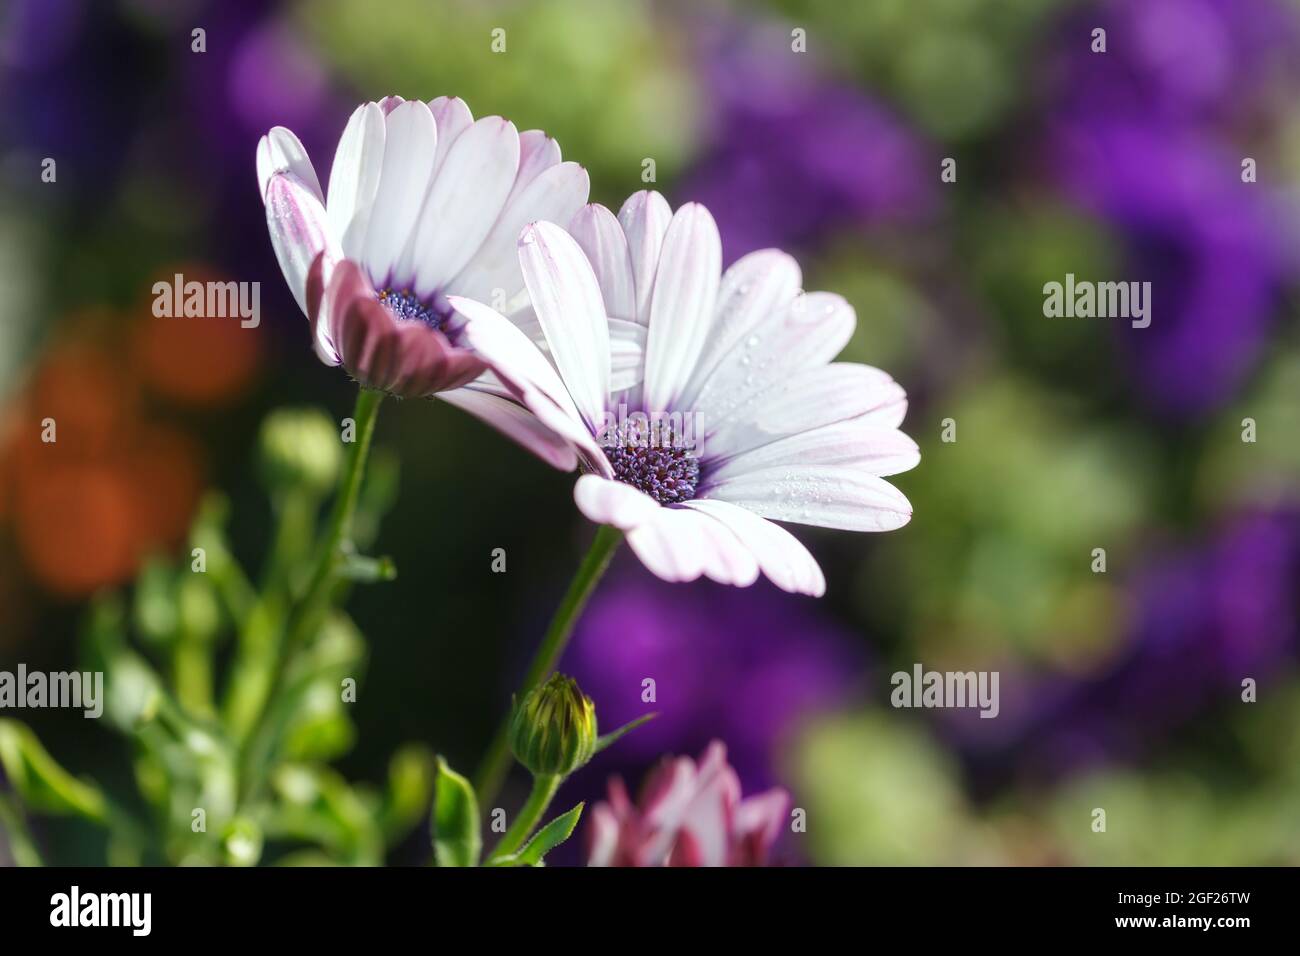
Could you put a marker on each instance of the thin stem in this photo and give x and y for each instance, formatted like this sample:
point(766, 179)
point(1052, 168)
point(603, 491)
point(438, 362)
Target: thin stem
point(543, 792)
point(192, 675)
point(21, 845)
point(492, 771)
point(307, 614)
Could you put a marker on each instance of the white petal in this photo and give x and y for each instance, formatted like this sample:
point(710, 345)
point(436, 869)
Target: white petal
point(626, 354)
point(808, 333)
point(605, 501)
point(452, 116)
point(780, 555)
point(493, 275)
point(411, 138)
point(645, 217)
point(855, 443)
point(354, 177)
point(626, 347)
point(515, 422)
point(464, 201)
point(567, 300)
point(537, 153)
point(669, 546)
point(681, 545)
point(527, 374)
point(280, 151)
point(682, 310)
point(806, 400)
point(828, 496)
point(756, 287)
point(726, 559)
point(299, 232)
point(601, 237)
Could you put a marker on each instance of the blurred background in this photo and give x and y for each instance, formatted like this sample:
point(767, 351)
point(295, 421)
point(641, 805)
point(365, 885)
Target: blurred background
point(1120, 690)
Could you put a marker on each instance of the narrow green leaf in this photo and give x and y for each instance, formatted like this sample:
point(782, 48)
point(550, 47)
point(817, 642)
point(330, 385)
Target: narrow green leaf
point(548, 838)
point(604, 740)
point(38, 779)
point(456, 837)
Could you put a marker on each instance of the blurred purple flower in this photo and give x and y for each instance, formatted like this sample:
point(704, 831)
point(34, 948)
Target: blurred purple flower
point(1213, 248)
point(744, 666)
point(794, 158)
point(1205, 619)
point(1183, 61)
point(1144, 138)
point(71, 88)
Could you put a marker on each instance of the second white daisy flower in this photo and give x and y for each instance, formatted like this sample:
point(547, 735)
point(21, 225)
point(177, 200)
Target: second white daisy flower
point(736, 415)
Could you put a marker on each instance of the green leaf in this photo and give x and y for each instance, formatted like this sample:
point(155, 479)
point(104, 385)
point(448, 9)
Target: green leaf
point(456, 837)
point(367, 570)
point(22, 848)
point(548, 838)
point(40, 781)
point(604, 740)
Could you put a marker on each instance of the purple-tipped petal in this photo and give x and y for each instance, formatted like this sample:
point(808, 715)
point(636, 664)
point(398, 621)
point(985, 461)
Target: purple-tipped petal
point(453, 116)
point(645, 216)
point(682, 310)
point(603, 241)
point(354, 178)
point(467, 195)
point(537, 153)
point(299, 232)
point(568, 303)
point(411, 138)
point(280, 151)
point(494, 274)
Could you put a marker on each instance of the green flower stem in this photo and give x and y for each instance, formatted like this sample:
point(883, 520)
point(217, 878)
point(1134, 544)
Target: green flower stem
point(307, 614)
point(530, 814)
point(296, 512)
point(492, 771)
point(263, 614)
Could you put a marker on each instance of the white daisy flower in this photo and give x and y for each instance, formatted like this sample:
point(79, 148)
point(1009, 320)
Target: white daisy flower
point(423, 203)
point(736, 416)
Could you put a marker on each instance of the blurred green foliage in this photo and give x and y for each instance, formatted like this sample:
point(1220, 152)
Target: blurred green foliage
point(617, 89)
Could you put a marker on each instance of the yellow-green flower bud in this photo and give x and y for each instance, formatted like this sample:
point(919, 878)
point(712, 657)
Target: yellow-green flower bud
point(300, 448)
point(553, 729)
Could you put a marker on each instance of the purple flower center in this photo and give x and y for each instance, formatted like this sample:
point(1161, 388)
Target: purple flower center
point(652, 458)
point(406, 306)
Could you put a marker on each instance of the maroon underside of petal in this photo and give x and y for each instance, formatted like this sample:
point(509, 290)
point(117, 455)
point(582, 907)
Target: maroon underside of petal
point(315, 292)
point(406, 359)
point(315, 286)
